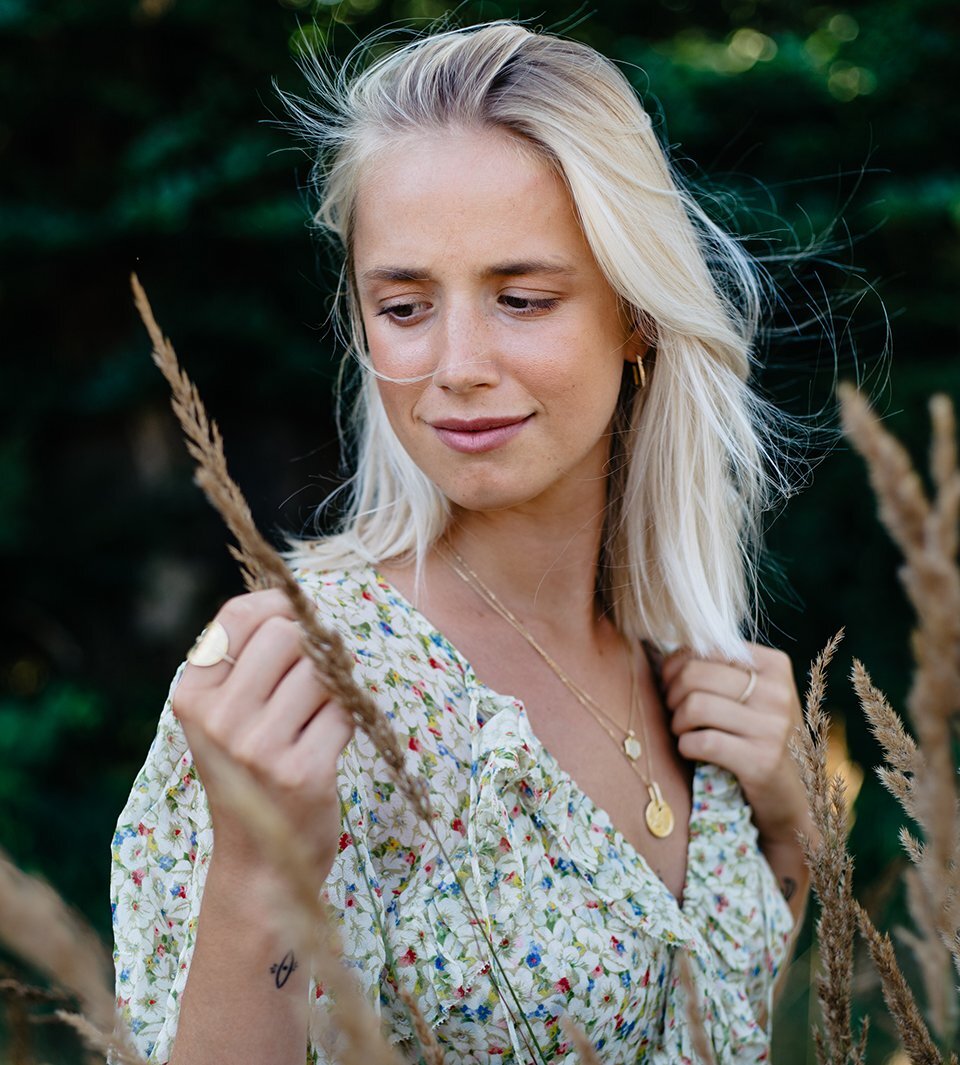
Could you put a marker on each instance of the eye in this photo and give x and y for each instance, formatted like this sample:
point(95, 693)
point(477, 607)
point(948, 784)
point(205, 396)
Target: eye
point(527, 305)
point(403, 312)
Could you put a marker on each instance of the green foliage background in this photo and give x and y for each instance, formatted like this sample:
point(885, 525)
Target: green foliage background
point(136, 135)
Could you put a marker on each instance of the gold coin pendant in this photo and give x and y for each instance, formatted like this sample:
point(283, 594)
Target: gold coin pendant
point(659, 817)
point(658, 813)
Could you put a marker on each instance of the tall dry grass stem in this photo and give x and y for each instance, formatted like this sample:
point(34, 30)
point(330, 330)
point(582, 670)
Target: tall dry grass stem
point(103, 1045)
point(301, 914)
point(18, 997)
point(20, 1021)
point(914, 1037)
point(582, 1045)
point(38, 926)
point(905, 768)
point(432, 1051)
point(699, 1039)
point(831, 875)
point(262, 567)
point(921, 773)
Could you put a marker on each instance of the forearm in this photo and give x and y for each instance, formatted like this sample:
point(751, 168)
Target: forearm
point(785, 858)
point(245, 1000)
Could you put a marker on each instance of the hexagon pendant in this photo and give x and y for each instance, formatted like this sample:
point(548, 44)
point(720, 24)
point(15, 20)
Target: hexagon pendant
point(631, 746)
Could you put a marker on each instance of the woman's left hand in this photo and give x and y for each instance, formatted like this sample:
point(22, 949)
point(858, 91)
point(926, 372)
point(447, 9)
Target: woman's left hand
point(719, 716)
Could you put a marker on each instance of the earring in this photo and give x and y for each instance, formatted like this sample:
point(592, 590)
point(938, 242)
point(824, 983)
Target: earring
point(639, 374)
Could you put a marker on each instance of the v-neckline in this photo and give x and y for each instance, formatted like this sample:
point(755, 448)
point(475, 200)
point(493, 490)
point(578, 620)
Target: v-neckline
point(624, 846)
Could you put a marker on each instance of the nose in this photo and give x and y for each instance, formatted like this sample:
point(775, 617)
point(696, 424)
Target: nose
point(466, 355)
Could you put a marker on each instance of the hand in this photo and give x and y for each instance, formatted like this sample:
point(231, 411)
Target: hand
point(269, 713)
point(749, 738)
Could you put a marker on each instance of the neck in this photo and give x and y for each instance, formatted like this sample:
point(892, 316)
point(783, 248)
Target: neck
point(542, 568)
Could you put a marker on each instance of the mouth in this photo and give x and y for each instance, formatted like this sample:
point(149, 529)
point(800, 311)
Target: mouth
point(475, 435)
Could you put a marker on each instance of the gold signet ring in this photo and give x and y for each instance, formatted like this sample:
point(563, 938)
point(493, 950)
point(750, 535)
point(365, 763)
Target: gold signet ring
point(748, 690)
point(211, 647)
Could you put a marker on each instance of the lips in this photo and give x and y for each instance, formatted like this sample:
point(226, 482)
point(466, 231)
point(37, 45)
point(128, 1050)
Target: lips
point(475, 435)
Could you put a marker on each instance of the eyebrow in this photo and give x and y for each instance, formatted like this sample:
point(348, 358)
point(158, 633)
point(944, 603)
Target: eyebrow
point(519, 268)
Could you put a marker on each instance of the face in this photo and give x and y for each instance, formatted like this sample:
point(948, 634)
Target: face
point(473, 275)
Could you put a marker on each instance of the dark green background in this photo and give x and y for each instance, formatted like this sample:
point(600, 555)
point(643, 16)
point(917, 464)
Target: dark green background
point(137, 136)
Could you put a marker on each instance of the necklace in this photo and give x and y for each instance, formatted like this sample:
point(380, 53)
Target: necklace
point(658, 814)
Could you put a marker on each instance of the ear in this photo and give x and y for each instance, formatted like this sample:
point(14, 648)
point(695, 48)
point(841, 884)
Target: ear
point(642, 336)
point(637, 346)
point(638, 342)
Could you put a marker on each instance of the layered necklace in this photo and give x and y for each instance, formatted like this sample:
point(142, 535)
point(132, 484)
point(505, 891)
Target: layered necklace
point(658, 814)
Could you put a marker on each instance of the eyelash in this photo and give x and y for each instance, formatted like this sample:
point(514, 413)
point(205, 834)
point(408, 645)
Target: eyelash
point(533, 306)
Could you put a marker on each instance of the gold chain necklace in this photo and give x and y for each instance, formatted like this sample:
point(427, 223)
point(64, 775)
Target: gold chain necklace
point(658, 814)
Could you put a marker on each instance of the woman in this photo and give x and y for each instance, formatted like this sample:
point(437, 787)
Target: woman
point(559, 474)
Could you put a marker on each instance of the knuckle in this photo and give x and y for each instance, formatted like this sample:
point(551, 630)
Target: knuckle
point(251, 605)
point(274, 602)
point(685, 671)
point(181, 704)
point(689, 745)
point(248, 750)
point(706, 743)
point(777, 660)
point(215, 727)
point(698, 671)
point(781, 705)
point(239, 608)
point(291, 777)
point(695, 703)
point(784, 731)
point(188, 698)
point(280, 628)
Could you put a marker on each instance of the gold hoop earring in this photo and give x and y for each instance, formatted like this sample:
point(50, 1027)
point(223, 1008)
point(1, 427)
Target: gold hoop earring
point(639, 374)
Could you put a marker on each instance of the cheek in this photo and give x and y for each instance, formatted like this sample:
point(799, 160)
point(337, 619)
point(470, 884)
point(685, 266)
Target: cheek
point(395, 352)
point(399, 402)
point(397, 360)
point(589, 389)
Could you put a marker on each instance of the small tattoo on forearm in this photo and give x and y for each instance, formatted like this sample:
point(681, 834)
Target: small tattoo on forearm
point(789, 887)
point(283, 969)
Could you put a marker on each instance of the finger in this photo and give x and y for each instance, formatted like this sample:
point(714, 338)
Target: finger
point(717, 678)
point(678, 661)
point(702, 710)
point(735, 753)
point(312, 754)
point(322, 739)
point(240, 618)
point(295, 701)
point(673, 663)
point(271, 651)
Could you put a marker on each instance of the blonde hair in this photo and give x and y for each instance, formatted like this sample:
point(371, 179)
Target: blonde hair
point(694, 456)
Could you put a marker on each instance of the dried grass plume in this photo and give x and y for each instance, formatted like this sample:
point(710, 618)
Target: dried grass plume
point(262, 566)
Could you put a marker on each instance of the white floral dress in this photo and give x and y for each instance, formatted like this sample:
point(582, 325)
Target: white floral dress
point(580, 924)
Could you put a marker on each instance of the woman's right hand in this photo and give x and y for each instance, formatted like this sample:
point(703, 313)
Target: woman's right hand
point(269, 713)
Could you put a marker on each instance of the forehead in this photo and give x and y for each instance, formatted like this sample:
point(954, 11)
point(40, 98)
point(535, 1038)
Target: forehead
point(463, 192)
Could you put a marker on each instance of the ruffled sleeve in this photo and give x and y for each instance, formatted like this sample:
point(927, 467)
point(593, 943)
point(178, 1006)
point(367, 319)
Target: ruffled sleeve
point(733, 898)
point(161, 852)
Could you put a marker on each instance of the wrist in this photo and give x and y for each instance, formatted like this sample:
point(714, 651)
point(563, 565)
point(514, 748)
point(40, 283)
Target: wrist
point(786, 814)
point(241, 884)
point(786, 833)
point(238, 855)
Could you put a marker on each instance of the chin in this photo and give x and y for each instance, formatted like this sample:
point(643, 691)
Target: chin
point(486, 497)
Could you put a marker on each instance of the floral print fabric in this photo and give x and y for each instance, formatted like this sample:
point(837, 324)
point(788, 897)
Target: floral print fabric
point(580, 924)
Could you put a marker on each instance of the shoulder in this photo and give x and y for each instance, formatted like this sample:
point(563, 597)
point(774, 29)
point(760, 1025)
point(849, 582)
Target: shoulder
point(355, 600)
point(333, 588)
point(373, 617)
